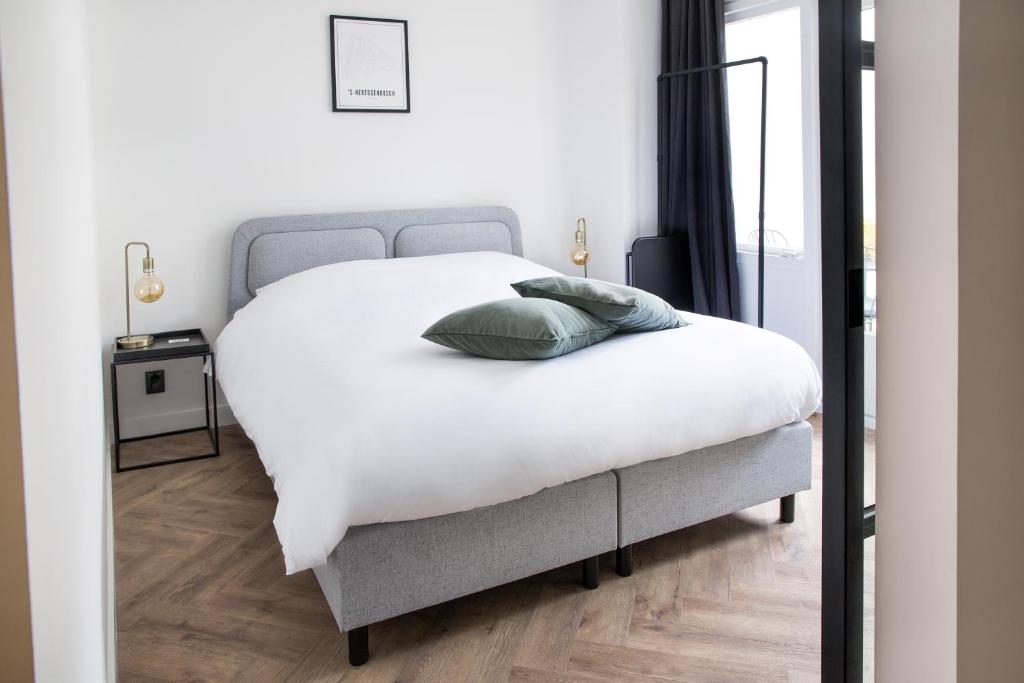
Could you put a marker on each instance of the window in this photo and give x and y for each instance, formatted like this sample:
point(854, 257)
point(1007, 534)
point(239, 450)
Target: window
point(867, 29)
point(775, 34)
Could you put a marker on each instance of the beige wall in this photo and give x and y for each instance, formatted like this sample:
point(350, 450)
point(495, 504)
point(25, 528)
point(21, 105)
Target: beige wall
point(916, 80)
point(15, 621)
point(950, 600)
point(990, 500)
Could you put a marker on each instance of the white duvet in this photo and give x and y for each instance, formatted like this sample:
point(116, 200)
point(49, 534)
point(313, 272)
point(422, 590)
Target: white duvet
point(357, 419)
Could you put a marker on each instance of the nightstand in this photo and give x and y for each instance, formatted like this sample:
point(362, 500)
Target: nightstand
point(167, 346)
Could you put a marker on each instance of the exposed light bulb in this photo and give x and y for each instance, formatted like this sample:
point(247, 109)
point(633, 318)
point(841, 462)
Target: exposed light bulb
point(149, 288)
point(580, 254)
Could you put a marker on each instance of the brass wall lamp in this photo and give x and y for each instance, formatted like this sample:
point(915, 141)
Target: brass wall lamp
point(148, 289)
point(580, 254)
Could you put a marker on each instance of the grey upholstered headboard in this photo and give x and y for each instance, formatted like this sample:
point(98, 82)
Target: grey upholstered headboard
point(265, 250)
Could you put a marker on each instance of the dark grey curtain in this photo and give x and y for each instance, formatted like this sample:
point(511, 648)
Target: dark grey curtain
point(694, 174)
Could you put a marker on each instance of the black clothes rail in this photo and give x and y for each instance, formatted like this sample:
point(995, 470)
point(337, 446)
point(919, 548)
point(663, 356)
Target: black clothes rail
point(763, 61)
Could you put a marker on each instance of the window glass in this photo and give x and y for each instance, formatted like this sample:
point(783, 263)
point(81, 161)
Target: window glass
point(867, 31)
point(867, 25)
point(775, 35)
point(870, 253)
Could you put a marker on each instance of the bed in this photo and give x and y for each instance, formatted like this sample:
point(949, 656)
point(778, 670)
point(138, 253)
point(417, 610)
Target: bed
point(409, 474)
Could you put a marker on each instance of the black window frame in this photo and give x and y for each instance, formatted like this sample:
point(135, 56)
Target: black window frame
point(841, 59)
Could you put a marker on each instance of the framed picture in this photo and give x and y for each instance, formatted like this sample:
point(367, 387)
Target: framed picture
point(369, 64)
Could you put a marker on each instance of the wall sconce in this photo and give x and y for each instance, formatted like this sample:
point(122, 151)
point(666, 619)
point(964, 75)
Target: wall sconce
point(148, 289)
point(580, 254)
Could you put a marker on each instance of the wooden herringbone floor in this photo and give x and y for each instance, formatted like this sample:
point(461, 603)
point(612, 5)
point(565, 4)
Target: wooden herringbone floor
point(202, 595)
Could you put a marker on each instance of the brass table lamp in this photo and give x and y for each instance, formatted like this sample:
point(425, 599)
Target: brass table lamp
point(580, 254)
point(148, 289)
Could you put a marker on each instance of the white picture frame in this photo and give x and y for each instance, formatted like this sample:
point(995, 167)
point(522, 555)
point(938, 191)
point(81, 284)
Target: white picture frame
point(369, 65)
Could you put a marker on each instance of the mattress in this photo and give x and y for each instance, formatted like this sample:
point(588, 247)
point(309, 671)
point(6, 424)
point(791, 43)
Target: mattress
point(358, 420)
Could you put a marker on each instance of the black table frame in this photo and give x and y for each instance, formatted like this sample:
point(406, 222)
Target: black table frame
point(209, 386)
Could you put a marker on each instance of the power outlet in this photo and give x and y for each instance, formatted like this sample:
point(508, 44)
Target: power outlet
point(155, 382)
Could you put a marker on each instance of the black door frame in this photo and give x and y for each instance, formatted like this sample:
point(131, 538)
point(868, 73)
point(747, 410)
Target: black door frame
point(842, 291)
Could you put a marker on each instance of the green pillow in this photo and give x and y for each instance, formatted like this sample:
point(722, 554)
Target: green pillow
point(628, 308)
point(519, 329)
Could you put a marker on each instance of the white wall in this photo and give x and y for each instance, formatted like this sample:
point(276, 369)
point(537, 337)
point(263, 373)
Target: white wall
point(917, 79)
point(53, 240)
point(208, 114)
point(608, 56)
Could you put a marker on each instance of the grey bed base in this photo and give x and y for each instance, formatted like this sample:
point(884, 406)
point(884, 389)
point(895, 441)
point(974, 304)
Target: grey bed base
point(379, 571)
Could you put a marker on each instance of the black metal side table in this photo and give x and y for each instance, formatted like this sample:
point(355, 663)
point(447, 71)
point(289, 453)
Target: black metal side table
point(167, 346)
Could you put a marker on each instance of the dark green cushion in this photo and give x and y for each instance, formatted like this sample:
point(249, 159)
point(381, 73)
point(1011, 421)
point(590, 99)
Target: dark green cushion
point(628, 308)
point(519, 329)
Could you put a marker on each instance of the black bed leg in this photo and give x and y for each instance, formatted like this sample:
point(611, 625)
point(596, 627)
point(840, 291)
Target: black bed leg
point(359, 646)
point(787, 508)
point(624, 561)
point(591, 580)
